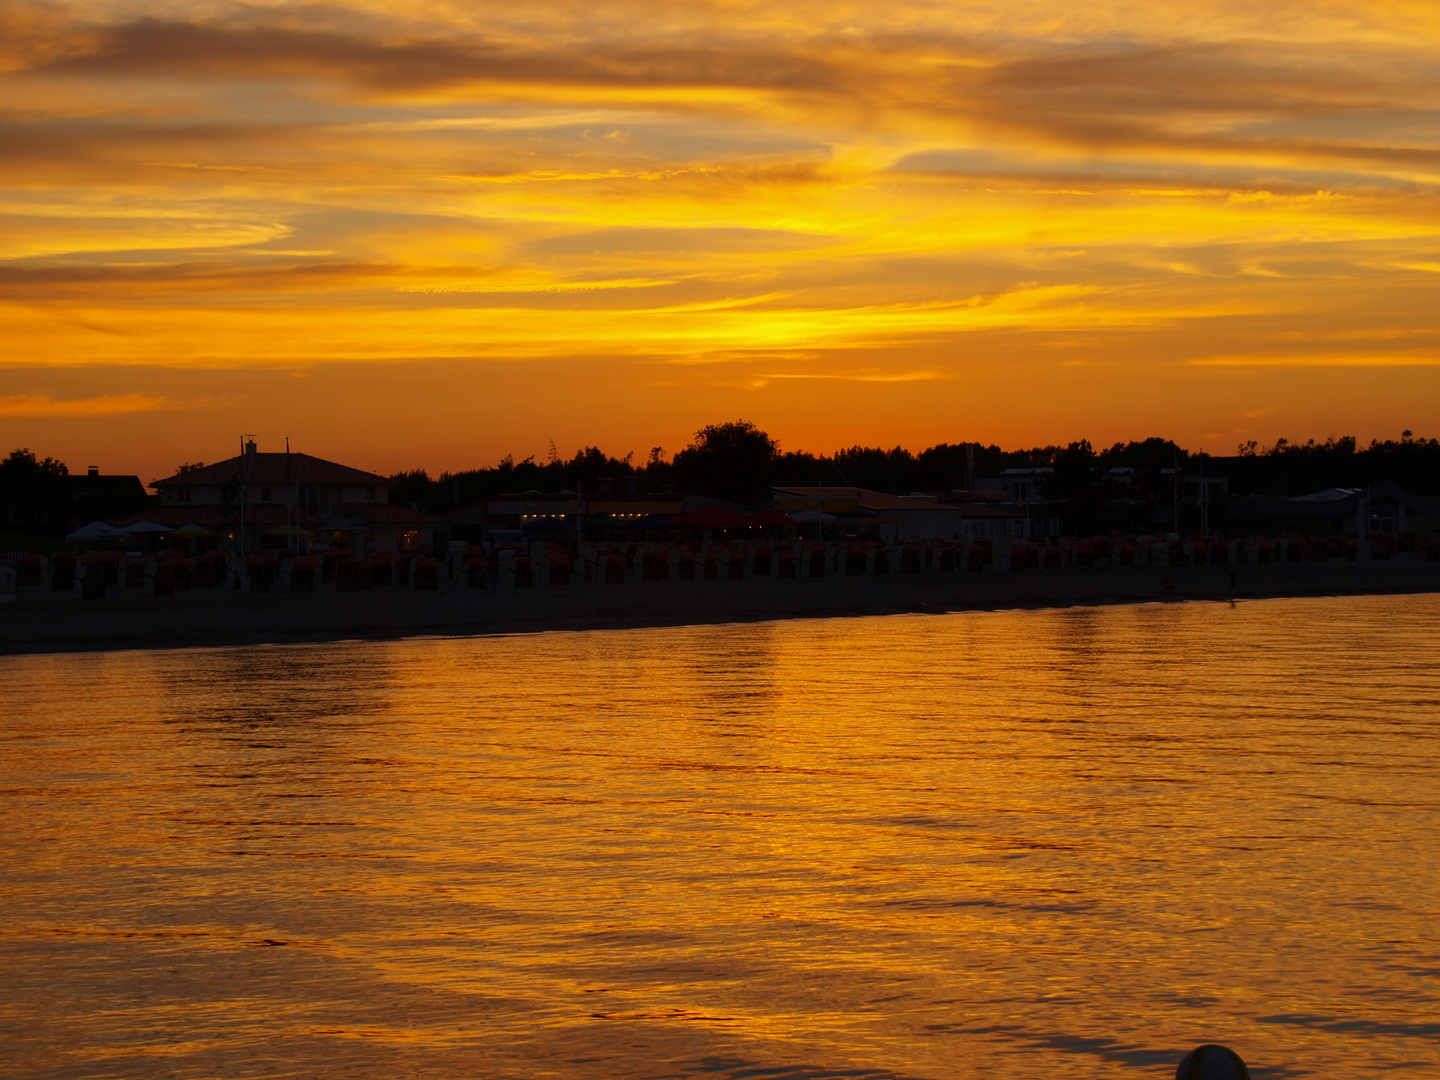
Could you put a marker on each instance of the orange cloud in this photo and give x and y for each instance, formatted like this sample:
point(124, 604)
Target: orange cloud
point(42, 405)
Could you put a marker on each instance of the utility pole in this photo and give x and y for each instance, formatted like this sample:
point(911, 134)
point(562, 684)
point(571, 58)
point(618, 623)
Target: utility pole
point(820, 520)
point(290, 496)
point(244, 489)
point(1175, 461)
point(1204, 498)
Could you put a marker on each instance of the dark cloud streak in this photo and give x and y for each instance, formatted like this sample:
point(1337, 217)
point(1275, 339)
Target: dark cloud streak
point(1231, 98)
point(69, 281)
point(191, 50)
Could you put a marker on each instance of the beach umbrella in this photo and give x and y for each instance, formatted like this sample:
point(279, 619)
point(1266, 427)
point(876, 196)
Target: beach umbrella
point(96, 530)
point(192, 530)
point(810, 517)
point(144, 528)
point(649, 521)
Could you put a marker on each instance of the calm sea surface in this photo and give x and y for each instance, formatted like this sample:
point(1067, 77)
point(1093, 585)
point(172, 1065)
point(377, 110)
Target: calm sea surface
point(1013, 844)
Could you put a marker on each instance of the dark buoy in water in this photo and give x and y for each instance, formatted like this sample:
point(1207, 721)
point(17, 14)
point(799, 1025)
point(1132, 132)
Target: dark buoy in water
point(1212, 1062)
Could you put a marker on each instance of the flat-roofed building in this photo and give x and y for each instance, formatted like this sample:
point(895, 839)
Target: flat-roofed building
point(1025, 485)
point(903, 517)
point(1377, 508)
point(552, 515)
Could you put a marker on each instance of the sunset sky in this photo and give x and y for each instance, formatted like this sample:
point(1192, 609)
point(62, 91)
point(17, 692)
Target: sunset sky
point(432, 233)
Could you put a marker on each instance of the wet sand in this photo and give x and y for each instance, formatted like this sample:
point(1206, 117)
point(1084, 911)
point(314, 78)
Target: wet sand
point(48, 622)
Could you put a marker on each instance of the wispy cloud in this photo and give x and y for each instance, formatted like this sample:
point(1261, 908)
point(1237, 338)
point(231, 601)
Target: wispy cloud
point(42, 405)
point(37, 280)
point(1334, 360)
point(759, 382)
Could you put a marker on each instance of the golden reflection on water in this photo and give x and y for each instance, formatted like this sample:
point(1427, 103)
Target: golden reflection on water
point(1012, 844)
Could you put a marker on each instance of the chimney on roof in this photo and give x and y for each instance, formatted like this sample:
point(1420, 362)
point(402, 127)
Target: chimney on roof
point(250, 448)
point(94, 470)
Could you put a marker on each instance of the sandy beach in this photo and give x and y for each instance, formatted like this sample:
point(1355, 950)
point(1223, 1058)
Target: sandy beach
point(59, 622)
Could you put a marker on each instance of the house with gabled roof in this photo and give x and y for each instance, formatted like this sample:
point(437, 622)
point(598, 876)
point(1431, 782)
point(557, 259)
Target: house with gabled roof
point(272, 495)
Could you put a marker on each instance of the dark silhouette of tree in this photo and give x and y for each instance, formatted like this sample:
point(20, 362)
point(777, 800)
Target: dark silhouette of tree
point(1075, 481)
point(1147, 484)
point(413, 488)
point(583, 472)
point(1293, 468)
point(739, 462)
point(31, 488)
point(1145, 456)
point(734, 461)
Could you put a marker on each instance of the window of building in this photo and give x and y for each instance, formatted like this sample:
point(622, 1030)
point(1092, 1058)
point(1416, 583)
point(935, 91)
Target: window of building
point(264, 494)
point(315, 499)
point(370, 494)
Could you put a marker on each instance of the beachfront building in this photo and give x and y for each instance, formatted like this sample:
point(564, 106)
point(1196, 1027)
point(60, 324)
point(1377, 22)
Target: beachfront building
point(902, 517)
point(1385, 507)
point(552, 515)
point(97, 496)
point(994, 521)
point(1023, 486)
point(277, 500)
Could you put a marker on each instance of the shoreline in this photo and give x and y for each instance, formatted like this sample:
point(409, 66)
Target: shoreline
point(37, 622)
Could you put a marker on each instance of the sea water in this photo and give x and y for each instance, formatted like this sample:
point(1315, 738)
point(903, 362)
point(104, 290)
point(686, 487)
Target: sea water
point(1013, 844)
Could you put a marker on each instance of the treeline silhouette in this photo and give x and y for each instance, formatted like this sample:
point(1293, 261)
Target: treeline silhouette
point(739, 462)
